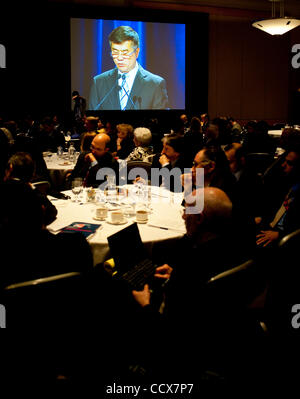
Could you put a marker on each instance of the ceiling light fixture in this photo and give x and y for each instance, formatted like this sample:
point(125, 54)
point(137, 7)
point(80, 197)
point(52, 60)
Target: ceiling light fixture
point(277, 26)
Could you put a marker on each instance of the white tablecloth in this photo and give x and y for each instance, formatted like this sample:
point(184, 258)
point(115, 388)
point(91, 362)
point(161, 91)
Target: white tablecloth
point(275, 133)
point(58, 167)
point(54, 162)
point(165, 220)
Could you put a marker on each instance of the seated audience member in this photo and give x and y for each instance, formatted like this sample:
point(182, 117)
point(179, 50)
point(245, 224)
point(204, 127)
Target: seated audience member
point(8, 134)
point(185, 123)
point(85, 146)
point(204, 121)
point(21, 167)
point(98, 158)
point(124, 143)
point(33, 251)
point(111, 130)
point(142, 140)
point(24, 143)
point(193, 139)
point(224, 128)
point(289, 138)
point(282, 201)
point(49, 138)
point(4, 153)
point(249, 128)
point(211, 136)
point(172, 154)
point(91, 124)
point(216, 170)
point(258, 139)
point(235, 130)
point(29, 126)
point(212, 245)
point(172, 159)
point(155, 128)
point(13, 128)
point(86, 141)
point(249, 186)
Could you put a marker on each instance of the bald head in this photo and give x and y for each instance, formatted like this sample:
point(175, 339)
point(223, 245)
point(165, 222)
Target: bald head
point(100, 144)
point(217, 205)
point(215, 215)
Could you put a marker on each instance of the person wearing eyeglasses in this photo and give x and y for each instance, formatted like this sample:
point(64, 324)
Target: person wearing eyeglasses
point(128, 86)
point(90, 162)
point(282, 202)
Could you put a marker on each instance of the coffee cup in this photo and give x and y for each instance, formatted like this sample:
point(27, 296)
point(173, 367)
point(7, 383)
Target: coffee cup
point(117, 217)
point(141, 216)
point(101, 212)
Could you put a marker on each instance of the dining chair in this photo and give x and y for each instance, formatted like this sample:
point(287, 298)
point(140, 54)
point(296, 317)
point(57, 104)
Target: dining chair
point(259, 161)
point(238, 289)
point(236, 333)
point(150, 158)
point(141, 167)
point(43, 186)
point(51, 302)
point(284, 292)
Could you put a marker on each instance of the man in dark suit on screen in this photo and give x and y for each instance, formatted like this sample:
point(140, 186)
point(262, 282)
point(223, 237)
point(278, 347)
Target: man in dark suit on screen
point(128, 86)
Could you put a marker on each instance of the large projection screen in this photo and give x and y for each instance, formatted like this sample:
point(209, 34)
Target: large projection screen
point(162, 52)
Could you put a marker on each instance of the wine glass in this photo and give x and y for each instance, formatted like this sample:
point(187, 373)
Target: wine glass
point(77, 187)
point(49, 155)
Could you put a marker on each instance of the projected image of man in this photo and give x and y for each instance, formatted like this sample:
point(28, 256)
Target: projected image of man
point(128, 86)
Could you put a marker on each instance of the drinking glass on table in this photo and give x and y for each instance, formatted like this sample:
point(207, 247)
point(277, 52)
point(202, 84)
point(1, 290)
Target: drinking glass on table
point(77, 187)
point(49, 155)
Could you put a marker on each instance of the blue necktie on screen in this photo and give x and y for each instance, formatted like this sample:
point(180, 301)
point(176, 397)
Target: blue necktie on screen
point(124, 92)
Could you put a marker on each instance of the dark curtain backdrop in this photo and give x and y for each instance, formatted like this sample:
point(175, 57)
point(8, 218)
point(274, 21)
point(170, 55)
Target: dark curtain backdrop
point(162, 52)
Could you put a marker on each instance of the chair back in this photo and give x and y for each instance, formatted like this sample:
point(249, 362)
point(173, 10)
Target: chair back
point(259, 161)
point(284, 285)
point(235, 286)
point(150, 158)
point(228, 299)
point(52, 302)
point(143, 169)
point(43, 186)
point(291, 241)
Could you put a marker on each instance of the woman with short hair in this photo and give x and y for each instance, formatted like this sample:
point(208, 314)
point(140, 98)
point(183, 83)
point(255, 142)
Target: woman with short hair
point(142, 140)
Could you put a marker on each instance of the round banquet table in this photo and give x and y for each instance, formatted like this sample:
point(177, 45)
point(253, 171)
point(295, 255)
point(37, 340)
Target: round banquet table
point(165, 221)
point(58, 167)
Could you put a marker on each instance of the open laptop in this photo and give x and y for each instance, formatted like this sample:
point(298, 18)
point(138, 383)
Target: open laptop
point(132, 262)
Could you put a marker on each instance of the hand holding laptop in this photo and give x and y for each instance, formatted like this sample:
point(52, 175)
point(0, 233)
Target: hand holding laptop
point(142, 297)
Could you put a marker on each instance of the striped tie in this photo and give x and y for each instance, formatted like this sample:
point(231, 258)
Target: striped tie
point(124, 92)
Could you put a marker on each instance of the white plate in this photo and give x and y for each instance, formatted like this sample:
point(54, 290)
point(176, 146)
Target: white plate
point(110, 222)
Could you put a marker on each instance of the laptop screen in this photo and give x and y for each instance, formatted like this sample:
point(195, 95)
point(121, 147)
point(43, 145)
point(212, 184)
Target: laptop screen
point(127, 248)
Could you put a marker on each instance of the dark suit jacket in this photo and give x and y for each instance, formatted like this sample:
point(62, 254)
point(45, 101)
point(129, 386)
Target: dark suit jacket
point(148, 91)
point(82, 169)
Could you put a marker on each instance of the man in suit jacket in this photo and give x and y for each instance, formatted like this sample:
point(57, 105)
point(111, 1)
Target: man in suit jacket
point(128, 86)
point(172, 159)
point(98, 158)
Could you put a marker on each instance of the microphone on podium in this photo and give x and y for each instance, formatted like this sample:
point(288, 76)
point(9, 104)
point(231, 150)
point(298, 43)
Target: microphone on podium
point(107, 94)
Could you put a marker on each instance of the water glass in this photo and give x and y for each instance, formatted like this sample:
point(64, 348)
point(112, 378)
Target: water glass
point(77, 187)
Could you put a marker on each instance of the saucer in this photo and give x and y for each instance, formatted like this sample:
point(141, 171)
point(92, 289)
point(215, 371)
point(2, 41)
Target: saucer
point(101, 219)
point(117, 223)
